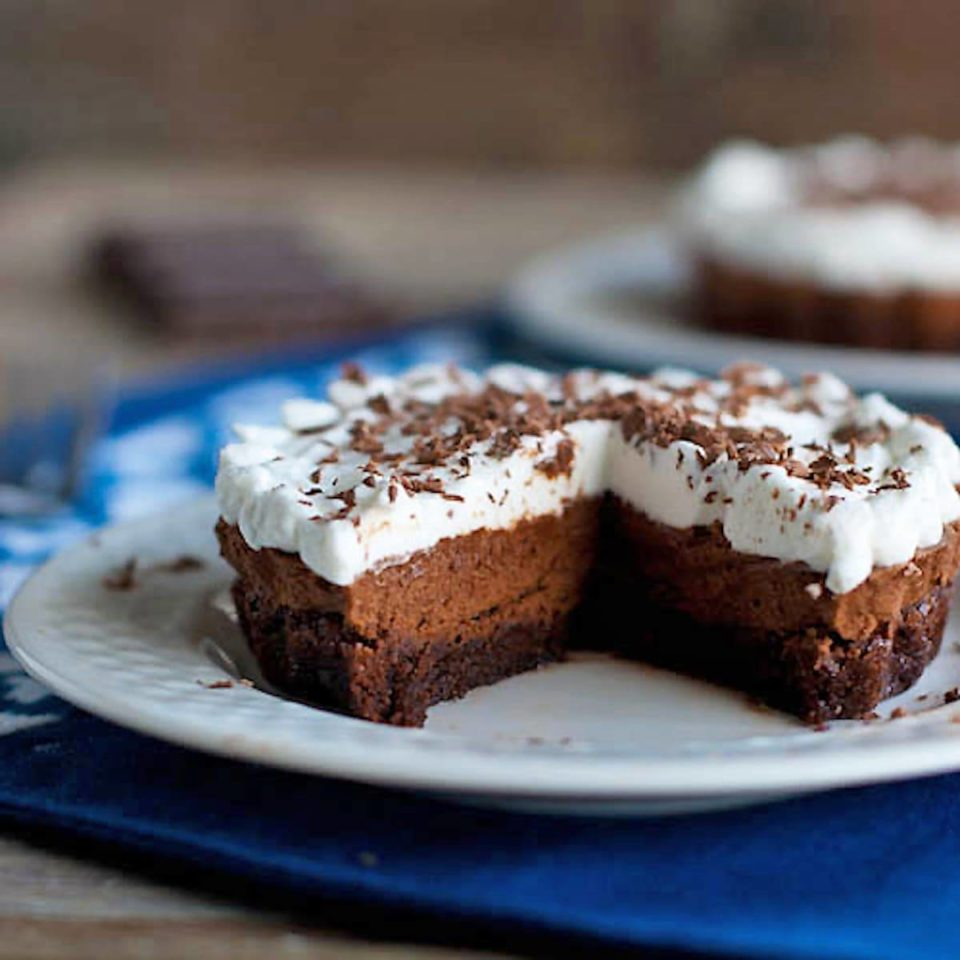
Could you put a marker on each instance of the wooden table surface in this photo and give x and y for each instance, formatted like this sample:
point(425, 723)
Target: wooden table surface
point(435, 240)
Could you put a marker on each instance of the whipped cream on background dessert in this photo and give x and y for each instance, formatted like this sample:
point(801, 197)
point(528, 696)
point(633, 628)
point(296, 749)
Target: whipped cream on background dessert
point(390, 466)
point(751, 205)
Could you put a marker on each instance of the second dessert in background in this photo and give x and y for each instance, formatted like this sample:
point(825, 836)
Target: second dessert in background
point(852, 242)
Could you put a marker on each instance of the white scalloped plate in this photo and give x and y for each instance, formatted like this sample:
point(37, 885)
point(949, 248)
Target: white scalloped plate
point(617, 301)
point(594, 735)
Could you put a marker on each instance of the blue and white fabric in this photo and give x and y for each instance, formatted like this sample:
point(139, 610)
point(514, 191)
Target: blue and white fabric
point(868, 873)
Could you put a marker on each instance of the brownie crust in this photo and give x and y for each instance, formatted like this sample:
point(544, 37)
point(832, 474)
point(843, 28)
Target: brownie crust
point(814, 673)
point(735, 300)
point(316, 657)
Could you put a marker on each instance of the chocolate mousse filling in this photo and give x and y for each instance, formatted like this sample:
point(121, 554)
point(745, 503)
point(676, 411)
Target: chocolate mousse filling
point(855, 243)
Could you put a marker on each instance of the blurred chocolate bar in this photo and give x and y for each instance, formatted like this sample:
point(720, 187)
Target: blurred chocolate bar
point(259, 280)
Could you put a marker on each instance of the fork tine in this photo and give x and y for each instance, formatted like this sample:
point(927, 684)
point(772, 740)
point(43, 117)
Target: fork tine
point(48, 422)
point(92, 412)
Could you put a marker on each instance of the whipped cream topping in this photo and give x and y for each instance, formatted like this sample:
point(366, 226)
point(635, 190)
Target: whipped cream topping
point(389, 466)
point(750, 205)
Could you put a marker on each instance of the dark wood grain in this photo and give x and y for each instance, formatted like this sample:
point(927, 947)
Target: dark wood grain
point(494, 83)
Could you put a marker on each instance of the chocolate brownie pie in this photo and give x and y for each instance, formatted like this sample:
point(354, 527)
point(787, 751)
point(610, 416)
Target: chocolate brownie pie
point(851, 242)
point(415, 537)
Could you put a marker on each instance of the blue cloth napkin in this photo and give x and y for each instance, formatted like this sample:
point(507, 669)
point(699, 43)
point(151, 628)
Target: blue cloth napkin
point(863, 873)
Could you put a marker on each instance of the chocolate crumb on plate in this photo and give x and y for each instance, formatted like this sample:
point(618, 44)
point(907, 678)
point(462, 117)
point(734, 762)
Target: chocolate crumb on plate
point(123, 578)
point(182, 564)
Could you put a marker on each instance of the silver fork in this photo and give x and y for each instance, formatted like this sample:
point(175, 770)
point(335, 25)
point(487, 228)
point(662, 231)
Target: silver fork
point(49, 418)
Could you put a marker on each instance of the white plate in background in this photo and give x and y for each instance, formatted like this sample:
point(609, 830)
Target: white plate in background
point(594, 735)
point(617, 301)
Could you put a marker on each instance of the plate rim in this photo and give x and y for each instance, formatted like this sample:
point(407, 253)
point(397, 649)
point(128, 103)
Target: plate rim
point(540, 306)
point(521, 774)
